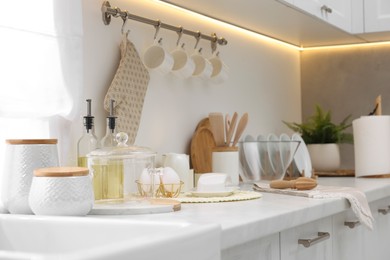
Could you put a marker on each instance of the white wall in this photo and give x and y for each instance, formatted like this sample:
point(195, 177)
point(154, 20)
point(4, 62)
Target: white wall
point(264, 77)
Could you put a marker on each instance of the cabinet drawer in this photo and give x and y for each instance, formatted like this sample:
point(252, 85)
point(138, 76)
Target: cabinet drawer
point(315, 241)
point(376, 242)
point(266, 248)
point(348, 236)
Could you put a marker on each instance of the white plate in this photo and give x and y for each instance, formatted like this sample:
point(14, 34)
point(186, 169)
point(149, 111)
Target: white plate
point(273, 152)
point(207, 194)
point(302, 157)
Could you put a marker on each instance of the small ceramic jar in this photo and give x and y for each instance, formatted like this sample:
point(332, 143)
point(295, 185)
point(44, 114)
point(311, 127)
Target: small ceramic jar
point(61, 191)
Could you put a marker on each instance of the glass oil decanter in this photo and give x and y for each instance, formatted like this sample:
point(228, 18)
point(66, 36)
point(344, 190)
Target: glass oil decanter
point(88, 141)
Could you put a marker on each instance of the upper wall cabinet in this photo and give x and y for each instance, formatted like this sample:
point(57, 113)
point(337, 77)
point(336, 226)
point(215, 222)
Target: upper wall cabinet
point(376, 20)
point(376, 15)
point(305, 23)
point(337, 13)
point(347, 15)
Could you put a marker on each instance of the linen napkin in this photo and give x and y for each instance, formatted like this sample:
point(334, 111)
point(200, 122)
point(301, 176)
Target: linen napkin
point(356, 198)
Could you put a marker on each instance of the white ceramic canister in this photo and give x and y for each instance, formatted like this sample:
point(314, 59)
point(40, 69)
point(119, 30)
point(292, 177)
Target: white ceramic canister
point(22, 156)
point(226, 160)
point(61, 191)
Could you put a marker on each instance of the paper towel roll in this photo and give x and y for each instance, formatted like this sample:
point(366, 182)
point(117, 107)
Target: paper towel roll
point(372, 145)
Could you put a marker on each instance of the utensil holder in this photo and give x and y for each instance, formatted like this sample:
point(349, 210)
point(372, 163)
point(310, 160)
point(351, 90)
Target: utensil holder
point(226, 160)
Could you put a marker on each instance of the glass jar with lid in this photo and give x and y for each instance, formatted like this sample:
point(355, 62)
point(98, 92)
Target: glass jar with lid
point(116, 169)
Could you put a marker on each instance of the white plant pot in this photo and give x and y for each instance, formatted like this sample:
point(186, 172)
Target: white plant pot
point(324, 157)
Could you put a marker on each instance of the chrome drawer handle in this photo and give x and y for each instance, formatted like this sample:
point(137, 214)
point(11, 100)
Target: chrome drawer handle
point(326, 9)
point(384, 211)
point(352, 224)
point(309, 242)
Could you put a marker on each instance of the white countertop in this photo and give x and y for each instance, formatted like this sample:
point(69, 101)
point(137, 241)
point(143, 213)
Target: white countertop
point(244, 221)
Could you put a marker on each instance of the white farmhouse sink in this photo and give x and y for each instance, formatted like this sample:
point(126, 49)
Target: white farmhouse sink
point(35, 237)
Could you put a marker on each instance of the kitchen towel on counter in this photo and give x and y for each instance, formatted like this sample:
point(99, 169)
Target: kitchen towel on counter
point(356, 198)
point(371, 136)
point(128, 89)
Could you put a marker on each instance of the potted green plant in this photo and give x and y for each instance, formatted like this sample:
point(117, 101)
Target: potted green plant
point(323, 137)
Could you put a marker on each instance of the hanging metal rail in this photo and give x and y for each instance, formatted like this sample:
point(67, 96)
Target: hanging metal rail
point(108, 12)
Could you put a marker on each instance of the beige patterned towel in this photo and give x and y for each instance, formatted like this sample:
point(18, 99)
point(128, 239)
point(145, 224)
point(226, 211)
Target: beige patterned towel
point(128, 89)
point(356, 198)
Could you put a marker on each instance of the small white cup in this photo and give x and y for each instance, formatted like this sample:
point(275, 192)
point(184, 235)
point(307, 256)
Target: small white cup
point(220, 70)
point(203, 67)
point(211, 182)
point(183, 65)
point(181, 164)
point(156, 58)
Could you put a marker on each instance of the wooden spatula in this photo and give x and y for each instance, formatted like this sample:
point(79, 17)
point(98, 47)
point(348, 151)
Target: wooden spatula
point(217, 128)
point(301, 183)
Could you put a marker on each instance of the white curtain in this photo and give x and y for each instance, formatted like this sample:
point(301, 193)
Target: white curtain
point(41, 69)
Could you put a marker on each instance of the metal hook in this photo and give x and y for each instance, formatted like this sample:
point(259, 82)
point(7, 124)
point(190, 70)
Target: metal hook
point(180, 33)
point(157, 26)
point(214, 42)
point(124, 23)
point(197, 37)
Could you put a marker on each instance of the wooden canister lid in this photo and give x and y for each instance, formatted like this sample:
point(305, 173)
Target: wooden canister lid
point(31, 141)
point(225, 149)
point(61, 172)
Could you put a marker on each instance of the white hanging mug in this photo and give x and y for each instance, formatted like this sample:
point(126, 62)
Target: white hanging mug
point(220, 70)
point(203, 68)
point(183, 66)
point(156, 57)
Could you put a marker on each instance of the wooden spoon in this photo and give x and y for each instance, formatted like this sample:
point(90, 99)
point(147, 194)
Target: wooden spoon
point(301, 183)
point(227, 127)
point(240, 128)
point(232, 127)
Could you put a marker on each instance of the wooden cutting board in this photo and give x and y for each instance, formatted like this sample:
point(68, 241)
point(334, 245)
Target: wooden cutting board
point(202, 144)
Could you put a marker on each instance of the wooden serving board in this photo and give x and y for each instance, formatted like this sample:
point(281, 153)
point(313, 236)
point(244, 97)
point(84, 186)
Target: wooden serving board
point(337, 173)
point(134, 208)
point(202, 144)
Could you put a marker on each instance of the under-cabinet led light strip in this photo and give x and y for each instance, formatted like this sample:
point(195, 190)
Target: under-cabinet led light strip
point(230, 25)
point(268, 38)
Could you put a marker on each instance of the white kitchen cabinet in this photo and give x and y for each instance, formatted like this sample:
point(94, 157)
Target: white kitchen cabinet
point(335, 12)
point(377, 242)
point(286, 1)
point(357, 241)
point(376, 15)
point(266, 248)
point(309, 241)
point(348, 237)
